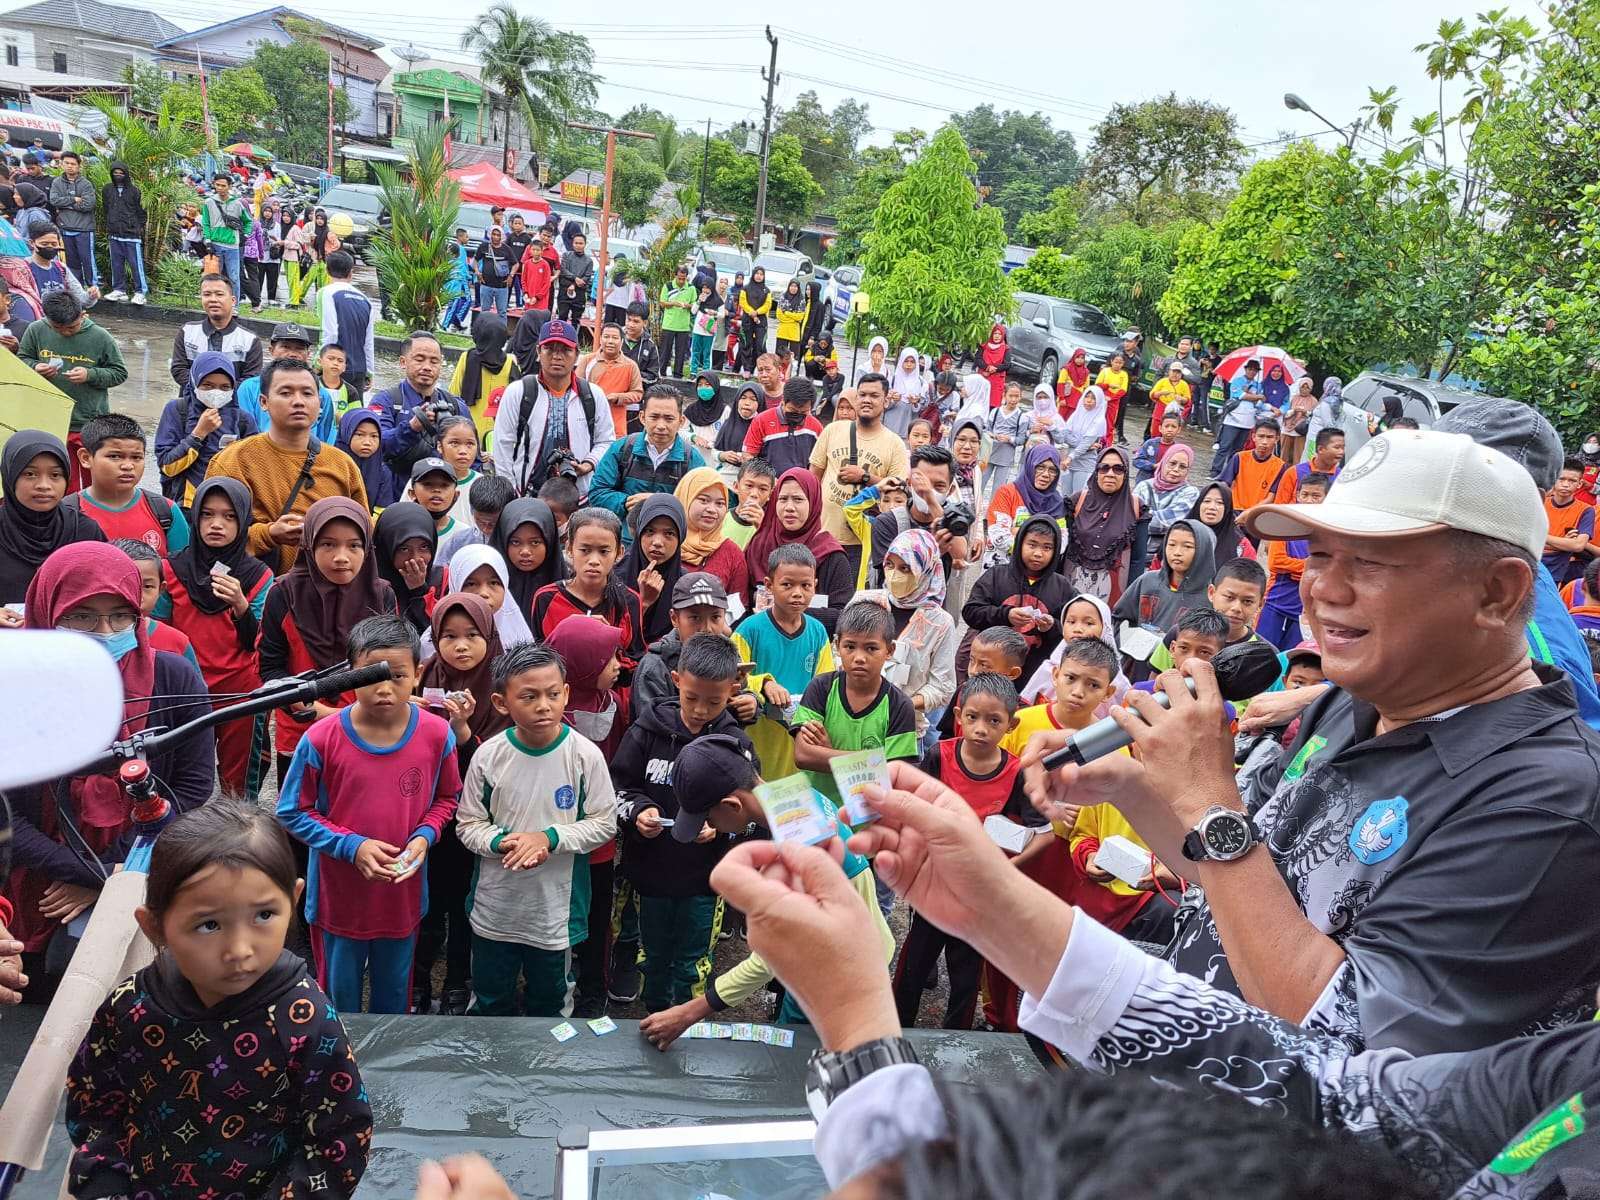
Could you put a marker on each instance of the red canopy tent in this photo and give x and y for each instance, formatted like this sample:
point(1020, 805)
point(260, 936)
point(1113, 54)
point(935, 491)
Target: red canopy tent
point(484, 183)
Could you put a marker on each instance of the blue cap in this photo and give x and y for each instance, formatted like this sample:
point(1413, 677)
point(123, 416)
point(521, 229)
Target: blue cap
point(558, 331)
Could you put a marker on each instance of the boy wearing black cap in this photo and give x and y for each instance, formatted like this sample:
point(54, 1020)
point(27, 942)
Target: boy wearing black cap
point(699, 605)
point(433, 485)
point(679, 914)
point(714, 783)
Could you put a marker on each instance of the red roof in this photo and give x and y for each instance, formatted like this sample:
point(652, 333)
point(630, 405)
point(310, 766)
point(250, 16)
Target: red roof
point(484, 183)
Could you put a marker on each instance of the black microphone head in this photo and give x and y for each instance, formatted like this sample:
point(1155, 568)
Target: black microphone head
point(1246, 669)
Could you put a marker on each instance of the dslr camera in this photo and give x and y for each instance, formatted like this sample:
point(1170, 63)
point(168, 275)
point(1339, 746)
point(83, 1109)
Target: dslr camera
point(562, 464)
point(958, 519)
point(434, 410)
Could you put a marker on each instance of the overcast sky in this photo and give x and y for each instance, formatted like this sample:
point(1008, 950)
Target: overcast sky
point(913, 63)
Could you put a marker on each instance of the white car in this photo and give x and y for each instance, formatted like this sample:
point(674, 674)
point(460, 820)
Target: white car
point(728, 261)
point(782, 266)
point(837, 292)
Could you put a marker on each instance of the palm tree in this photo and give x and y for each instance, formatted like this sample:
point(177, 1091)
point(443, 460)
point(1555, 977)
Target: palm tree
point(154, 153)
point(415, 254)
point(543, 72)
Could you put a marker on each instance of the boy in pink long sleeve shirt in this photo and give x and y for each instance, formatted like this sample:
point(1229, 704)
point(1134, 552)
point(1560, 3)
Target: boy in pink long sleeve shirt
point(368, 791)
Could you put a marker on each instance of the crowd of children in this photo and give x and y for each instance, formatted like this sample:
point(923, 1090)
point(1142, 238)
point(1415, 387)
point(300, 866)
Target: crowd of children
point(583, 709)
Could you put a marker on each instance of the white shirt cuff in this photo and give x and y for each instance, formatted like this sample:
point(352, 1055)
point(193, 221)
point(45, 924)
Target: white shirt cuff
point(875, 1120)
point(1092, 987)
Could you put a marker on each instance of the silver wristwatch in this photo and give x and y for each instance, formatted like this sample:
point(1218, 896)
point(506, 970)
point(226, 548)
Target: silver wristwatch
point(1221, 835)
point(828, 1074)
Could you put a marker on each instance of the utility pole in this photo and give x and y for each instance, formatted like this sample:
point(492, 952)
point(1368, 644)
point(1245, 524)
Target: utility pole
point(705, 165)
point(612, 134)
point(770, 74)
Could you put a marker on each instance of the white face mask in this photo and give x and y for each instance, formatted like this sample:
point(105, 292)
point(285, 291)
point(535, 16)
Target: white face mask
point(596, 726)
point(1591, 447)
point(214, 397)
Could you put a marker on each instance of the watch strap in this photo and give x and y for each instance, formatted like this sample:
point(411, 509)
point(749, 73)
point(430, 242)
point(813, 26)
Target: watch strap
point(832, 1073)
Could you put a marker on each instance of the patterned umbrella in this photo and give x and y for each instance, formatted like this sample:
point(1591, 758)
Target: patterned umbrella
point(1234, 362)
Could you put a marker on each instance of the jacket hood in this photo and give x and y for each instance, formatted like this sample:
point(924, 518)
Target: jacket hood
point(174, 994)
point(668, 647)
point(1045, 523)
point(666, 721)
point(123, 167)
point(1205, 555)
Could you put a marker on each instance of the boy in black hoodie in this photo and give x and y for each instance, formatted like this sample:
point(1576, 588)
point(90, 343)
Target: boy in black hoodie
point(1010, 593)
point(679, 914)
point(123, 205)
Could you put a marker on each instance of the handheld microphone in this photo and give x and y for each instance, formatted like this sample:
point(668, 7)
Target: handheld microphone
point(1242, 672)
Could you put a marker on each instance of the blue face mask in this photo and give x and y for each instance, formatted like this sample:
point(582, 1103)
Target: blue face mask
point(117, 644)
point(705, 392)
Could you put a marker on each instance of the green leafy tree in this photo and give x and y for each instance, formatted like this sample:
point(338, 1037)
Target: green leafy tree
point(634, 182)
point(1231, 279)
point(152, 151)
point(415, 254)
point(881, 167)
point(828, 140)
point(1057, 222)
point(792, 195)
point(1163, 155)
point(1021, 157)
point(146, 84)
point(932, 266)
point(239, 101)
point(1123, 268)
point(296, 77)
point(544, 73)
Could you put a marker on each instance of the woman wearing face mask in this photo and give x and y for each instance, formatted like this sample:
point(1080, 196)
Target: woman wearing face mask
point(705, 414)
point(202, 420)
point(1589, 456)
point(94, 590)
point(923, 664)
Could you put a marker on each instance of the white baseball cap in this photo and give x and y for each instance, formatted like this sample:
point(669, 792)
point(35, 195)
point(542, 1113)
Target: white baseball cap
point(1409, 482)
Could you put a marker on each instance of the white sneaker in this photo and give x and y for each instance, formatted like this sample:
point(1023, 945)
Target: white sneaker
point(138, 298)
point(116, 294)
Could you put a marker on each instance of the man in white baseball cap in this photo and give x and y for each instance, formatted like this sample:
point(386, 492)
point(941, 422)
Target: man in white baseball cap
point(1404, 877)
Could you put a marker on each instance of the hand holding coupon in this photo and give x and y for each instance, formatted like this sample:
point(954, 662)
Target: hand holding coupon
point(854, 773)
point(793, 813)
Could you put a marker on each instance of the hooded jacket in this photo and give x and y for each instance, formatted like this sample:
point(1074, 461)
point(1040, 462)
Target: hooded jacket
point(1152, 601)
point(1007, 586)
point(294, 1086)
point(642, 771)
point(123, 204)
point(182, 457)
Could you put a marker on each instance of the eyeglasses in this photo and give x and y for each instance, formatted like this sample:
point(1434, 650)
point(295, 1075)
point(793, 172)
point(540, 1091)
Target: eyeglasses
point(1110, 469)
point(117, 622)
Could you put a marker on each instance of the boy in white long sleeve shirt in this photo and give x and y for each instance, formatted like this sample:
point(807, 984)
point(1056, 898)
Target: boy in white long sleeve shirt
point(537, 799)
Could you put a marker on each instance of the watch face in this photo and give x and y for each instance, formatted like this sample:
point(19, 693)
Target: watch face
point(1227, 836)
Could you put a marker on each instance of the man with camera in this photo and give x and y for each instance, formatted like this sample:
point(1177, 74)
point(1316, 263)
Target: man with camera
point(930, 484)
point(409, 413)
point(535, 439)
point(851, 455)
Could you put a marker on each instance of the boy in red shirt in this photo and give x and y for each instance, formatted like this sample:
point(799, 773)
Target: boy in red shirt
point(112, 458)
point(368, 791)
point(989, 779)
point(162, 636)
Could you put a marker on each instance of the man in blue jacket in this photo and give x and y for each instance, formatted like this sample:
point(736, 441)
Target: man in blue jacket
point(409, 412)
point(644, 463)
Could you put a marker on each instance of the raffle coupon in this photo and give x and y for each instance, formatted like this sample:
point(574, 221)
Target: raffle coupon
point(792, 811)
point(853, 772)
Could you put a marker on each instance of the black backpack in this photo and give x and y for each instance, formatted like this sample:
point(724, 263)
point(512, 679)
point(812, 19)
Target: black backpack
point(525, 412)
point(159, 504)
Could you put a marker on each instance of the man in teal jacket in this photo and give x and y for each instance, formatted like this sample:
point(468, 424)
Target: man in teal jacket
point(645, 463)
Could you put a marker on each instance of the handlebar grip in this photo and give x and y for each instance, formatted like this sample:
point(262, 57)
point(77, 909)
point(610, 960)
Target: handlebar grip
point(346, 681)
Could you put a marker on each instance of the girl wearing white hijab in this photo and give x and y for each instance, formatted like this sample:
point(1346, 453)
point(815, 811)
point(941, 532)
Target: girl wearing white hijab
point(907, 393)
point(1084, 430)
point(1076, 622)
point(509, 622)
point(877, 359)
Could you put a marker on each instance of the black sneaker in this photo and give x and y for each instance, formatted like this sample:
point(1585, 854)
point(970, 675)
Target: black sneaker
point(422, 999)
point(454, 1002)
point(626, 978)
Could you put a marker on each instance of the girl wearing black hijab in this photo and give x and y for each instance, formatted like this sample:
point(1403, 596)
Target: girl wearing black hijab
point(526, 538)
point(754, 306)
point(486, 366)
point(728, 448)
point(34, 470)
point(525, 340)
point(404, 541)
point(655, 561)
point(703, 415)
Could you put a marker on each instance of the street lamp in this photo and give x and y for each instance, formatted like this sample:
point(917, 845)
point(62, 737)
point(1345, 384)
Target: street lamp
point(1293, 103)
